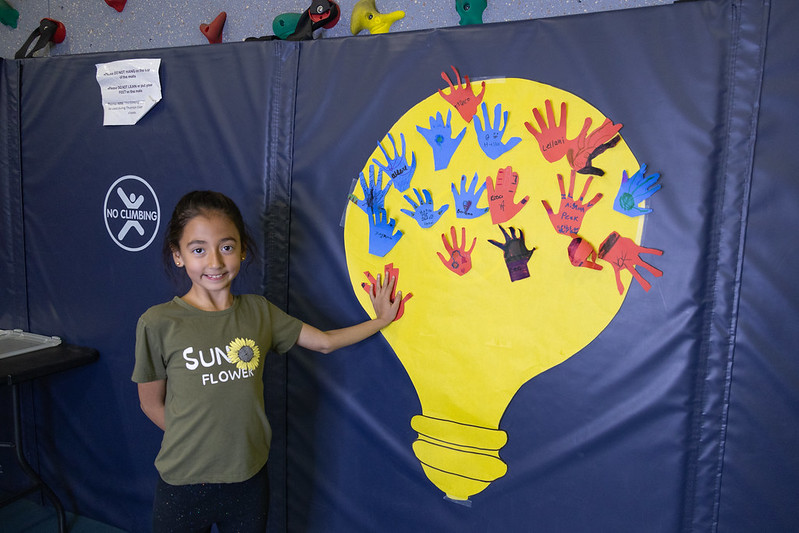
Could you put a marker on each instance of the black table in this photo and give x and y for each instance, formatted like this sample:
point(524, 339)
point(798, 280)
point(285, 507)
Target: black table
point(26, 367)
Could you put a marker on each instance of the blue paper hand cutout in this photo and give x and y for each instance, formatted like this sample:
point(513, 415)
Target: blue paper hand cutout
point(466, 200)
point(424, 212)
point(382, 237)
point(374, 193)
point(490, 139)
point(635, 190)
point(397, 167)
point(438, 136)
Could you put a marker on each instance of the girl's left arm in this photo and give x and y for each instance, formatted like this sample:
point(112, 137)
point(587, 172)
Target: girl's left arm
point(328, 341)
point(151, 399)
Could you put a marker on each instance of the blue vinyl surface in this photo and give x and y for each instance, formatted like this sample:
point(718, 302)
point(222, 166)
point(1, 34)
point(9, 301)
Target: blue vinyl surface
point(680, 416)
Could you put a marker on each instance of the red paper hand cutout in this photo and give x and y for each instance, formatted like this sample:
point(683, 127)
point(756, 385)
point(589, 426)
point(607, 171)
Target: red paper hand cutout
point(389, 271)
point(460, 259)
point(586, 147)
point(580, 151)
point(582, 254)
point(500, 196)
point(462, 98)
point(622, 253)
point(570, 217)
point(552, 138)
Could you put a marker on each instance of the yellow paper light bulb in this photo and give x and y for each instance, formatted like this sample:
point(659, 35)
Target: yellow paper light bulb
point(470, 342)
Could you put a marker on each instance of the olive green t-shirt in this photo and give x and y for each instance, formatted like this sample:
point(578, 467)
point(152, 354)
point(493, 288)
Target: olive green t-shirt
point(216, 426)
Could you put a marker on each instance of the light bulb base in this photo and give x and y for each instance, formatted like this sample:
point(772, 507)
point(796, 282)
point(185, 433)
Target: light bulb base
point(460, 459)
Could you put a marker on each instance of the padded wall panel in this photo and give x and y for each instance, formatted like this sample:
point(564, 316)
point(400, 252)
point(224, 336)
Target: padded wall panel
point(625, 435)
point(13, 305)
point(761, 467)
point(13, 312)
point(206, 133)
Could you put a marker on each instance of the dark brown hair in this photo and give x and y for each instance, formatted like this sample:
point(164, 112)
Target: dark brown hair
point(198, 203)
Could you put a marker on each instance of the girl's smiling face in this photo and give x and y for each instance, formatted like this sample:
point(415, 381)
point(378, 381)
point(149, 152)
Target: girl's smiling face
point(211, 252)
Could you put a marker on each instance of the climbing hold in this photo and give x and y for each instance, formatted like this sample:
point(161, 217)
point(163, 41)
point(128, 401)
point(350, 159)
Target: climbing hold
point(213, 31)
point(365, 16)
point(8, 15)
point(471, 11)
point(49, 31)
point(119, 5)
point(285, 24)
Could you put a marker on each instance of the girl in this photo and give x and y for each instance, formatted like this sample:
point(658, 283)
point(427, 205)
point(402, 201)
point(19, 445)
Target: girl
point(199, 366)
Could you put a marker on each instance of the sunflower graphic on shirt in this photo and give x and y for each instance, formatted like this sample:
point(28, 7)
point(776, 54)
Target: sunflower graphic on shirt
point(244, 353)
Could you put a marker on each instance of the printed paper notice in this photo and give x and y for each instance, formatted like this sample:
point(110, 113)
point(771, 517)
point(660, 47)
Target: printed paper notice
point(130, 88)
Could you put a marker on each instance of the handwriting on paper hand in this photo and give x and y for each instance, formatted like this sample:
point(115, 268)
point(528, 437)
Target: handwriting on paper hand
point(569, 218)
point(466, 199)
point(462, 98)
point(460, 259)
point(374, 194)
point(397, 167)
point(439, 137)
point(623, 254)
point(424, 212)
point(382, 237)
point(551, 135)
point(500, 196)
point(490, 138)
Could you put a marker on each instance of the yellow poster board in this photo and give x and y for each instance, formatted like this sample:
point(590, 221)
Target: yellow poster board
point(469, 341)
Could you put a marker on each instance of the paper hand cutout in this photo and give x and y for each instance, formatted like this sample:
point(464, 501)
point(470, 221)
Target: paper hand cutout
point(552, 138)
point(635, 190)
point(462, 98)
point(581, 150)
point(382, 237)
point(466, 200)
point(397, 167)
point(460, 259)
point(374, 193)
point(389, 271)
point(570, 217)
point(586, 147)
point(582, 254)
point(438, 137)
point(424, 213)
point(515, 253)
point(490, 139)
point(500, 196)
point(622, 253)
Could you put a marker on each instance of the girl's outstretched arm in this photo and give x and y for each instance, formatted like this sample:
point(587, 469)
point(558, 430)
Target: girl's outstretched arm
point(386, 310)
